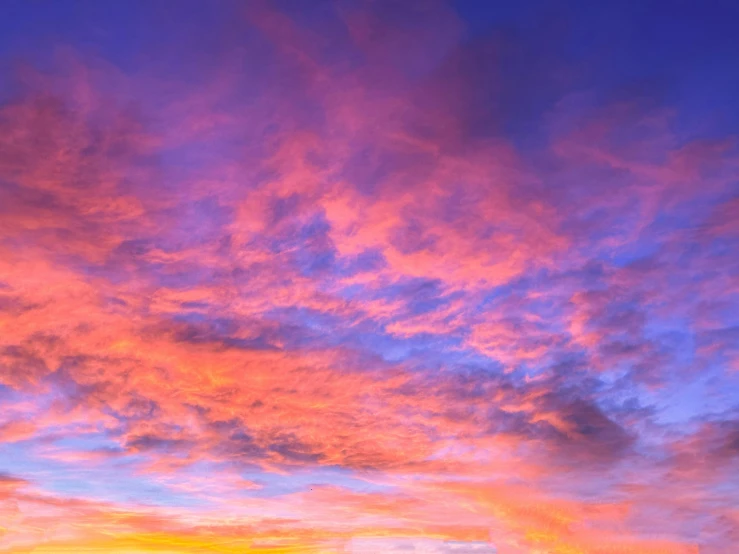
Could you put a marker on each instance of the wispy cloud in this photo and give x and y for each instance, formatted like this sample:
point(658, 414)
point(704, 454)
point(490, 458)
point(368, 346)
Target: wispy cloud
point(361, 277)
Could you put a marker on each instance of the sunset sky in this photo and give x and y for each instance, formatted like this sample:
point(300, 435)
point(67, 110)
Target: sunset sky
point(369, 276)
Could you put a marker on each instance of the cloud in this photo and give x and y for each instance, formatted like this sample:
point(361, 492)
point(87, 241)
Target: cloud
point(338, 290)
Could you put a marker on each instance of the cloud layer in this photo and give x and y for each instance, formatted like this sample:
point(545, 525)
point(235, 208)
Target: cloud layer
point(363, 277)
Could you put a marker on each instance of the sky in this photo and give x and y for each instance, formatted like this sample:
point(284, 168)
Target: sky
point(369, 277)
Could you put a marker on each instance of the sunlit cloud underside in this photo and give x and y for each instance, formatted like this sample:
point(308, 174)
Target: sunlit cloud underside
point(369, 277)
